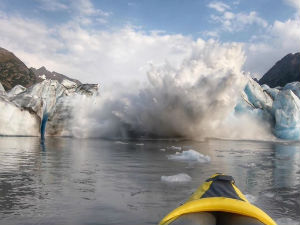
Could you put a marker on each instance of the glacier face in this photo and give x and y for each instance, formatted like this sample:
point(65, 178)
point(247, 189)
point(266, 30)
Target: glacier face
point(47, 108)
point(279, 106)
point(42, 109)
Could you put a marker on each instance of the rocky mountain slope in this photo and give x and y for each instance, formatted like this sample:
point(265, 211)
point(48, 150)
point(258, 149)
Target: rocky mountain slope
point(285, 71)
point(13, 71)
point(44, 74)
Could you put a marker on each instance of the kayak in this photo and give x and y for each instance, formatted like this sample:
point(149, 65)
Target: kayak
point(218, 201)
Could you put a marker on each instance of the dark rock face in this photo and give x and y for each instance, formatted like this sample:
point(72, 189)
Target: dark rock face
point(285, 71)
point(13, 71)
point(42, 74)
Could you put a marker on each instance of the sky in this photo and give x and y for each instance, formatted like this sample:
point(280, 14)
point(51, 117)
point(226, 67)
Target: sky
point(107, 41)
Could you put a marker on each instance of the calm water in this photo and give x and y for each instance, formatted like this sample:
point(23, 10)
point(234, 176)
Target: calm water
point(70, 181)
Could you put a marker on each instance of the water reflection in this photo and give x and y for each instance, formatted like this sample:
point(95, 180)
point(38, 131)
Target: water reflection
point(70, 181)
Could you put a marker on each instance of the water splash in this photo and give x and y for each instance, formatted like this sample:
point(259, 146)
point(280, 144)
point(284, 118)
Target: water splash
point(195, 100)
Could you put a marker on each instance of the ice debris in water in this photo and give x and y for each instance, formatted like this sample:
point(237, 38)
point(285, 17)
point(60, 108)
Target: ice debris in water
point(162, 149)
point(140, 144)
point(175, 148)
point(190, 156)
point(178, 178)
point(121, 143)
point(269, 195)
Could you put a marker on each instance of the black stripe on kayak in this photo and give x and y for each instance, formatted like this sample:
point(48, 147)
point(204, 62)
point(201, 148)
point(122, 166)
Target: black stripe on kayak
point(221, 186)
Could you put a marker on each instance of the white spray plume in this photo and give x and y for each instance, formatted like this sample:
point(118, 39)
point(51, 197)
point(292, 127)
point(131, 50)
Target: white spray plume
point(194, 101)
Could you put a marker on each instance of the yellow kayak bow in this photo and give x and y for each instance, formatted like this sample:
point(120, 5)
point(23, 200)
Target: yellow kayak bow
point(218, 194)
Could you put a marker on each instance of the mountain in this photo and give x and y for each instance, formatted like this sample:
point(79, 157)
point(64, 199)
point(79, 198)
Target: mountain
point(13, 71)
point(43, 74)
point(285, 71)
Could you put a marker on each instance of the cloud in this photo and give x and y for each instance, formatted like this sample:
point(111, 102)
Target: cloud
point(218, 6)
point(281, 38)
point(294, 3)
point(88, 54)
point(53, 5)
point(83, 11)
point(232, 22)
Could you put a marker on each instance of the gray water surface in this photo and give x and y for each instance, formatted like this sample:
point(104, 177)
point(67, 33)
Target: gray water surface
point(86, 181)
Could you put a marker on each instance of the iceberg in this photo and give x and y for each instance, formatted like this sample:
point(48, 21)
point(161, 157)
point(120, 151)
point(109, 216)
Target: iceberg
point(190, 156)
point(178, 178)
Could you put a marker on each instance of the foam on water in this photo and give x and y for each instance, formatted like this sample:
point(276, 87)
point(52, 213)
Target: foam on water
point(178, 178)
point(190, 156)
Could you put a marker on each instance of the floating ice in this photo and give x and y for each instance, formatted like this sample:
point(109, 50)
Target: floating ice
point(175, 148)
point(140, 144)
point(162, 149)
point(121, 143)
point(190, 156)
point(269, 194)
point(178, 178)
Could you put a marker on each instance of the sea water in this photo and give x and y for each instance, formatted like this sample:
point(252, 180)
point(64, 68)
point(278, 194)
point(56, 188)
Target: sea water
point(93, 181)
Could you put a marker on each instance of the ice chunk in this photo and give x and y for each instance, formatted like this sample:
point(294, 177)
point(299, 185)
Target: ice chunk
point(175, 148)
point(140, 144)
point(190, 156)
point(178, 178)
point(69, 84)
point(294, 86)
point(271, 91)
point(121, 143)
point(88, 89)
point(18, 89)
point(257, 96)
point(286, 109)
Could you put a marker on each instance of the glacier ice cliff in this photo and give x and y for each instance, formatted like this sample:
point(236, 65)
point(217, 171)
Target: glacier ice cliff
point(48, 108)
point(42, 109)
point(279, 106)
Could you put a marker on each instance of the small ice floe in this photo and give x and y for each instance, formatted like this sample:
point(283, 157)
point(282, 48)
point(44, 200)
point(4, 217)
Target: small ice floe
point(140, 144)
point(190, 156)
point(162, 149)
point(250, 198)
point(269, 194)
point(177, 148)
point(121, 143)
point(178, 178)
point(248, 165)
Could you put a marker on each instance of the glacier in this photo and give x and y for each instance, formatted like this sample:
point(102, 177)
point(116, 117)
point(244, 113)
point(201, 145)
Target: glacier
point(43, 109)
point(48, 108)
point(279, 106)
